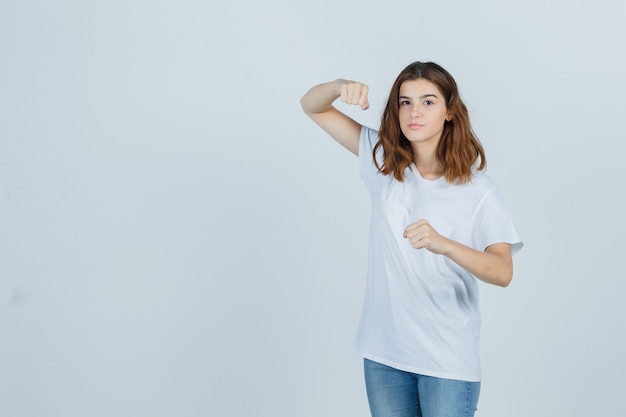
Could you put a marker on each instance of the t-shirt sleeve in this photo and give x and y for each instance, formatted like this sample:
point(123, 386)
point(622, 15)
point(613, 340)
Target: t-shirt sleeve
point(493, 223)
point(367, 141)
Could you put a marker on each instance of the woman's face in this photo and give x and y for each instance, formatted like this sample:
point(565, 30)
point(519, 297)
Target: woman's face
point(422, 111)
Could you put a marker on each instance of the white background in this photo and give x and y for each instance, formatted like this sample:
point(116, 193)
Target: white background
point(178, 239)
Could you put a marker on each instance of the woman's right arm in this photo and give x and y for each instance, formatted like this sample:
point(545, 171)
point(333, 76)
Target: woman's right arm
point(317, 103)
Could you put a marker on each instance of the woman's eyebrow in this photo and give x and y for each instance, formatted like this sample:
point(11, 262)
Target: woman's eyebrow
point(420, 97)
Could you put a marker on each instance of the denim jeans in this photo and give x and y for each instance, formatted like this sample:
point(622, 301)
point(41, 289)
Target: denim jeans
point(395, 393)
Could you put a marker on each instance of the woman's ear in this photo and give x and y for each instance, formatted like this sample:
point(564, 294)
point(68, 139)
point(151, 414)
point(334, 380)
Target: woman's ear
point(450, 107)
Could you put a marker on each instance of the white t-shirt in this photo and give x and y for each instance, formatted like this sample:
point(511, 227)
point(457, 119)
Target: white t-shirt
point(420, 312)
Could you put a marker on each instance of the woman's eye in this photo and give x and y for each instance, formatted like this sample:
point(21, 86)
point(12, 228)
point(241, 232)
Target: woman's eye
point(404, 103)
point(428, 103)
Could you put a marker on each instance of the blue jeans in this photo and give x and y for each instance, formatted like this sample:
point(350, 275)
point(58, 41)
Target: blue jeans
point(395, 393)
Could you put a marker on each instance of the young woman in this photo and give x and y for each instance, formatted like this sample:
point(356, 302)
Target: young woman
point(438, 224)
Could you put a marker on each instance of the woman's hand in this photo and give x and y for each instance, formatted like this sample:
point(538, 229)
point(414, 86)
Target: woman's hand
point(353, 92)
point(422, 235)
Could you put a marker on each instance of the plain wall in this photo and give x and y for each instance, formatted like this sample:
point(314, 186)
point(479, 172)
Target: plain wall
point(178, 239)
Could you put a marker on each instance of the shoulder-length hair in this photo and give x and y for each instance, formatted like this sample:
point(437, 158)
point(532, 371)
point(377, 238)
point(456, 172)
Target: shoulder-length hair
point(459, 149)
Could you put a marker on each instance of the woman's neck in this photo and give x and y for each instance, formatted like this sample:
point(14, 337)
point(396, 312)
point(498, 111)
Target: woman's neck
point(426, 163)
point(430, 172)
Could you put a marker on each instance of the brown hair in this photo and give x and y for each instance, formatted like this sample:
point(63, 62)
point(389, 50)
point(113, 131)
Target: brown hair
point(458, 149)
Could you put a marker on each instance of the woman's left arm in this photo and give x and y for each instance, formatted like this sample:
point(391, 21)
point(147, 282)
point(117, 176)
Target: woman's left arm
point(494, 265)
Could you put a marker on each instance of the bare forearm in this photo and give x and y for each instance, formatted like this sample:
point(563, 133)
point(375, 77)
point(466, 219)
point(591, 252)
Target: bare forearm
point(317, 103)
point(493, 266)
point(321, 97)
